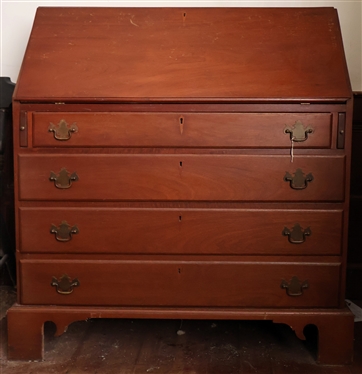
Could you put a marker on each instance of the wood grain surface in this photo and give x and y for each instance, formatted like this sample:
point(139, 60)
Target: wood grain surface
point(99, 54)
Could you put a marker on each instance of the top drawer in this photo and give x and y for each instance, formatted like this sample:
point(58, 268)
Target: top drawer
point(214, 130)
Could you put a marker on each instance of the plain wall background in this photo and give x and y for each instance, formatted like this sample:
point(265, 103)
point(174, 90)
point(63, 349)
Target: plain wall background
point(17, 18)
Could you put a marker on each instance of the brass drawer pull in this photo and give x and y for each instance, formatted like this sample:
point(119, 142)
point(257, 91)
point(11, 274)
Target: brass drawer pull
point(297, 234)
point(61, 131)
point(299, 181)
point(64, 232)
point(65, 285)
point(64, 179)
point(294, 287)
point(298, 133)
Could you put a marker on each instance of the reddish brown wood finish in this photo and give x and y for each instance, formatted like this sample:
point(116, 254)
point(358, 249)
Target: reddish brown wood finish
point(179, 282)
point(181, 177)
point(335, 345)
point(181, 159)
point(185, 54)
point(242, 130)
point(180, 231)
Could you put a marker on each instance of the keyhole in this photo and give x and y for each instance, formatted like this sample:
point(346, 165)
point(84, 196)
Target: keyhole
point(180, 218)
point(181, 121)
point(180, 164)
point(179, 270)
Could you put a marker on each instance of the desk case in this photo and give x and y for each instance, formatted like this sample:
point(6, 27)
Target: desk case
point(183, 163)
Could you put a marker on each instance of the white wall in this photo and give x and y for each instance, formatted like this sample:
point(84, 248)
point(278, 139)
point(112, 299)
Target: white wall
point(17, 17)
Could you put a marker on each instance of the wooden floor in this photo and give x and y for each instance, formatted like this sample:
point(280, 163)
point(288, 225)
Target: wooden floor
point(153, 346)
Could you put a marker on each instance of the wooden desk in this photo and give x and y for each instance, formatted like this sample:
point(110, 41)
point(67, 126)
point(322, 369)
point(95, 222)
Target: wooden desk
point(183, 163)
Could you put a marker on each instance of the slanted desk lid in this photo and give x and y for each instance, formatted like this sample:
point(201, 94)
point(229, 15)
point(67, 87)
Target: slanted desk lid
point(191, 54)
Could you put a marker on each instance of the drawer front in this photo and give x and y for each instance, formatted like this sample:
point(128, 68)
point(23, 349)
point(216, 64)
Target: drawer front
point(179, 283)
point(181, 177)
point(237, 130)
point(180, 231)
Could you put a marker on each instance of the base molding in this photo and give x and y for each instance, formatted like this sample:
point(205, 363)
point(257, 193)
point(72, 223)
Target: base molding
point(335, 326)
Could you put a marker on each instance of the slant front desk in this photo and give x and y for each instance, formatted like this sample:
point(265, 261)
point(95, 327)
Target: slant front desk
point(183, 163)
